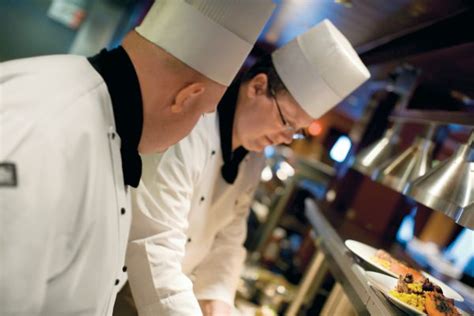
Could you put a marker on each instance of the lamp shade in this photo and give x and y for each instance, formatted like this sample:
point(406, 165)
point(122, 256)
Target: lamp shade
point(449, 187)
point(414, 162)
point(372, 157)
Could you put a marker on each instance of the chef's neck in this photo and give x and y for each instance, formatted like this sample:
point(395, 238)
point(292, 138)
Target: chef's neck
point(236, 141)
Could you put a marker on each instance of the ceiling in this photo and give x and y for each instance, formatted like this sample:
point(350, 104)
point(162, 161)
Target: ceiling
point(364, 22)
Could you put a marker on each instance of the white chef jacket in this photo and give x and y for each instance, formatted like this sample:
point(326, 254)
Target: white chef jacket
point(64, 224)
point(189, 225)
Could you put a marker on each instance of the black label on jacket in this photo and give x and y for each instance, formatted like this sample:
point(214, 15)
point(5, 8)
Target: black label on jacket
point(8, 174)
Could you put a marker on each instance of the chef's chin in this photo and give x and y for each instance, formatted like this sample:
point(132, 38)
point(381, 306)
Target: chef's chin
point(255, 146)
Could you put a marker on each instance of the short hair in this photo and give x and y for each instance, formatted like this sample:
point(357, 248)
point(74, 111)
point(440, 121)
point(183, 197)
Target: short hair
point(265, 65)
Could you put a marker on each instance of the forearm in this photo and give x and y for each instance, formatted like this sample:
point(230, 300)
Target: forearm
point(158, 285)
point(215, 308)
point(217, 276)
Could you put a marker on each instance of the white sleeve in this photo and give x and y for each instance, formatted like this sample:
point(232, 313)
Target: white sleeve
point(158, 238)
point(28, 209)
point(218, 274)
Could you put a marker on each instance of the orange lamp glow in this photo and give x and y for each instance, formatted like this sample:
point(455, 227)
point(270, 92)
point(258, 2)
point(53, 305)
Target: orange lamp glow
point(315, 128)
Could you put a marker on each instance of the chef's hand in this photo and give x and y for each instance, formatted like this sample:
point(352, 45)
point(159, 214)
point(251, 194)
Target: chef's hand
point(215, 308)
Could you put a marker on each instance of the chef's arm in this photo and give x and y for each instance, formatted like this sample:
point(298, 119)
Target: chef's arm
point(26, 209)
point(217, 276)
point(156, 249)
point(215, 308)
point(23, 281)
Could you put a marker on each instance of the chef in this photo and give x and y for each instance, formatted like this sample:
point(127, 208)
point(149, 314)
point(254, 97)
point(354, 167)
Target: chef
point(190, 209)
point(70, 132)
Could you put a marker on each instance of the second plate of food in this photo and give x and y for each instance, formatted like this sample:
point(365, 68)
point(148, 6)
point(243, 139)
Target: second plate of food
point(413, 297)
point(384, 262)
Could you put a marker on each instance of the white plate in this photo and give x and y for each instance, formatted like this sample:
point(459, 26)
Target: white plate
point(367, 253)
point(384, 284)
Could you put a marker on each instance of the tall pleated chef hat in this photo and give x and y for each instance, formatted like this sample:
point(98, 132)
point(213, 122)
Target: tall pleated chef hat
point(211, 36)
point(319, 68)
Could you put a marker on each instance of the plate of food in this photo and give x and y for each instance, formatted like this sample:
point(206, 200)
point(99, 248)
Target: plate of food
point(415, 298)
point(383, 261)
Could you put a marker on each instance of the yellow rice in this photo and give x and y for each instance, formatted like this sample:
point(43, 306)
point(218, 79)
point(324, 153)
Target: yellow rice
point(415, 287)
point(415, 300)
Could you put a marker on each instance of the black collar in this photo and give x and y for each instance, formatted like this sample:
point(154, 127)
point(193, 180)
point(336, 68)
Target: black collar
point(226, 110)
point(119, 75)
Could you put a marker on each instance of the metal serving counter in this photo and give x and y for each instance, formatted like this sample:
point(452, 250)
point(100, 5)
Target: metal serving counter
point(344, 269)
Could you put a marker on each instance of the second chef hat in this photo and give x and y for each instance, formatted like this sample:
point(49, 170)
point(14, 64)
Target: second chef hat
point(320, 68)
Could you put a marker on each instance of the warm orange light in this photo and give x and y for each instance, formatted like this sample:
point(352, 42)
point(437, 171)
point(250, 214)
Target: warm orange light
point(315, 128)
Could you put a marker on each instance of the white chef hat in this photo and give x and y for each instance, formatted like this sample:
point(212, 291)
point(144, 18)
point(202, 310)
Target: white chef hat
point(211, 36)
point(320, 68)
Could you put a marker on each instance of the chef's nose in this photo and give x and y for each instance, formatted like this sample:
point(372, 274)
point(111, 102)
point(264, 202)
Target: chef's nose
point(285, 137)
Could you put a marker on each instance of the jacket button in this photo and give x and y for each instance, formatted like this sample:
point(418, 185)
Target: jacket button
point(189, 239)
point(202, 198)
point(122, 211)
point(112, 135)
point(117, 282)
point(124, 269)
point(213, 152)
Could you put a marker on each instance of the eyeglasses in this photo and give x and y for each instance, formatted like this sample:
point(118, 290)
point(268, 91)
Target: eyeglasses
point(297, 133)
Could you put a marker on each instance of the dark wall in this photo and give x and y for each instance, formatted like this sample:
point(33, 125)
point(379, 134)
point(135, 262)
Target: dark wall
point(26, 30)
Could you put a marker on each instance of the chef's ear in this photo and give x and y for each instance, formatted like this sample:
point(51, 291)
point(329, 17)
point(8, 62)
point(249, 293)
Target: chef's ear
point(187, 96)
point(257, 86)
